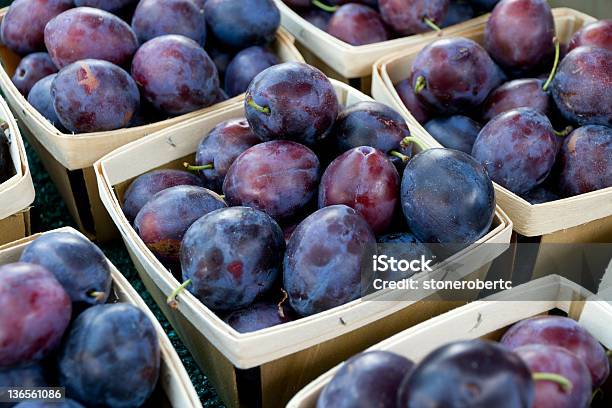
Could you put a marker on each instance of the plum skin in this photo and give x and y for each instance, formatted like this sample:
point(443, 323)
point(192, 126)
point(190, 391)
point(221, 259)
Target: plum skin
point(245, 66)
point(117, 371)
point(232, 256)
point(520, 93)
point(322, 265)
point(40, 98)
point(357, 24)
point(259, 316)
point(35, 311)
point(455, 132)
point(153, 18)
point(407, 17)
point(410, 100)
point(31, 69)
point(31, 375)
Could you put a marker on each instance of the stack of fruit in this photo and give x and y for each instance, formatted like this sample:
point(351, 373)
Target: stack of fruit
point(546, 361)
point(55, 329)
point(283, 222)
point(500, 102)
point(178, 52)
point(361, 22)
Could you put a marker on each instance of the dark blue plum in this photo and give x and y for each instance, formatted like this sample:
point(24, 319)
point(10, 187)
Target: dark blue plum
point(517, 148)
point(447, 197)
point(469, 373)
point(581, 88)
point(458, 12)
point(79, 265)
point(232, 256)
point(322, 266)
point(67, 403)
point(291, 101)
point(163, 221)
point(40, 98)
point(144, 187)
point(242, 23)
point(259, 316)
point(245, 66)
point(369, 379)
point(153, 18)
point(402, 245)
point(34, 313)
point(278, 177)
point(595, 34)
point(31, 69)
point(585, 160)
point(455, 132)
point(520, 93)
point(111, 356)
point(22, 376)
point(540, 195)
point(221, 147)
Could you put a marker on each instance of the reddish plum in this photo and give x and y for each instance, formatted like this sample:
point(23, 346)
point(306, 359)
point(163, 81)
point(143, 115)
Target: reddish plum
point(365, 180)
point(31, 69)
point(291, 101)
point(596, 34)
point(154, 18)
point(259, 316)
point(245, 66)
point(34, 313)
point(163, 221)
point(455, 132)
point(520, 93)
point(278, 177)
point(40, 98)
point(232, 256)
point(585, 160)
point(175, 74)
point(357, 24)
point(413, 16)
point(517, 148)
point(563, 332)
point(411, 101)
point(322, 266)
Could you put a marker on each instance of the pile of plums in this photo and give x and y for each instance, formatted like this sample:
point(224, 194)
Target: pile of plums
point(57, 331)
point(7, 168)
point(361, 22)
point(294, 195)
point(541, 132)
point(86, 69)
point(546, 361)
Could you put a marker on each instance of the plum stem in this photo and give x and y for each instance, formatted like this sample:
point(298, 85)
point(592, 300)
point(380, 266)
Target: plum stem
point(262, 109)
point(431, 24)
point(564, 132)
point(191, 167)
point(325, 7)
point(400, 155)
point(555, 65)
point(556, 378)
point(171, 300)
point(420, 84)
point(411, 139)
point(281, 311)
point(97, 295)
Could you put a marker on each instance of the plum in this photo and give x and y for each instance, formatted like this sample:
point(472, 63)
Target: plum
point(118, 370)
point(153, 18)
point(454, 75)
point(245, 66)
point(40, 98)
point(413, 16)
point(518, 149)
point(357, 24)
point(77, 264)
point(519, 34)
point(322, 266)
point(89, 33)
point(259, 316)
point(402, 245)
point(31, 69)
point(447, 198)
point(7, 168)
point(278, 177)
point(558, 361)
point(66, 403)
point(520, 93)
point(316, 17)
point(365, 180)
point(34, 313)
point(563, 332)
point(455, 132)
point(469, 373)
point(176, 75)
point(242, 23)
point(31, 375)
point(163, 221)
point(232, 256)
point(94, 95)
point(581, 87)
point(33, 15)
point(411, 101)
point(220, 148)
point(219, 54)
point(585, 160)
point(112, 6)
point(539, 195)
point(292, 101)
point(595, 34)
point(368, 379)
point(458, 12)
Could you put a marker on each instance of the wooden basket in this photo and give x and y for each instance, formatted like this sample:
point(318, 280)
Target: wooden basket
point(488, 319)
point(69, 158)
point(174, 388)
point(16, 193)
point(346, 62)
point(267, 367)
